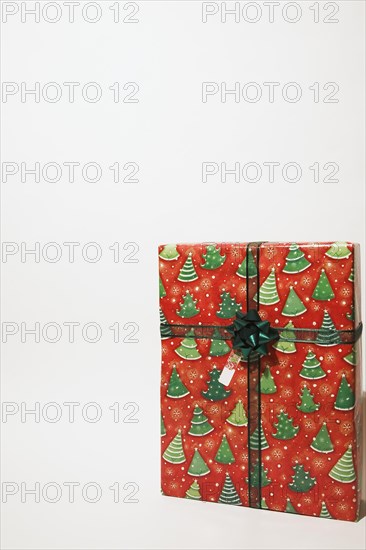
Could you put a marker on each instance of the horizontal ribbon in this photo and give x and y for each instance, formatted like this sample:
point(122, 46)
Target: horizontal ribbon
point(223, 332)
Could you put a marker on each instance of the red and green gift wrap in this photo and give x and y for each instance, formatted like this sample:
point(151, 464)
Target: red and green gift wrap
point(286, 438)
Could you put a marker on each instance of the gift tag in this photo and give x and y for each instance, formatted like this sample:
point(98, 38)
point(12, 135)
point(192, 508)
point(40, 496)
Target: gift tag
point(230, 368)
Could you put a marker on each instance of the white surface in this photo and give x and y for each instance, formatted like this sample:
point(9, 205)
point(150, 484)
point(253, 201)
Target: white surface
point(169, 133)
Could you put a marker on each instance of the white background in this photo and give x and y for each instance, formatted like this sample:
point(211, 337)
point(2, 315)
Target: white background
point(169, 133)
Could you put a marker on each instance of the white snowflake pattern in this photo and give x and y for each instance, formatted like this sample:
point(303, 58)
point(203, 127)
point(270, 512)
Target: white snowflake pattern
point(342, 507)
point(206, 284)
point(277, 453)
point(306, 281)
point(209, 444)
point(307, 500)
point(345, 291)
point(214, 409)
point(241, 380)
point(338, 491)
point(242, 289)
point(283, 362)
point(270, 251)
point(235, 252)
point(192, 374)
point(175, 290)
point(325, 389)
point(176, 413)
point(308, 424)
point(287, 392)
point(346, 427)
point(319, 463)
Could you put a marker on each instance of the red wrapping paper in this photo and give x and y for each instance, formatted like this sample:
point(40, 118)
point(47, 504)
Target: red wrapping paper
point(310, 444)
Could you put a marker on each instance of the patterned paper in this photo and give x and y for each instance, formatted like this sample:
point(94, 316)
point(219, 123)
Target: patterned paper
point(309, 439)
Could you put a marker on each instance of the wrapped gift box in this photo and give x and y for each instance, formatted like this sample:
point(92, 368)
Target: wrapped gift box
point(283, 434)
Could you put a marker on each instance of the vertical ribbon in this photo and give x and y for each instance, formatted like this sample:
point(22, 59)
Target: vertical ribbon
point(254, 395)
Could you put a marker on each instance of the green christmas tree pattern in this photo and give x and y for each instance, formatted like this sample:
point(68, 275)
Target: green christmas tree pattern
point(264, 505)
point(215, 391)
point(311, 367)
point(322, 442)
point(162, 426)
point(293, 305)
point(307, 404)
point(238, 416)
point(259, 477)
point(194, 492)
point(301, 480)
point(165, 331)
point(267, 383)
point(228, 306)
point(218, 347)
point(327, 335)
point(324, 512)
point(344, 470)
point(323, 290)
point(188, 273)
point(229, 494)
point(188, 348)
point(176, 388)
point(351, 358)
point(282, 344)
point(162, 291)
point(169, 252)
point(338, 251)
point(345, 399)
point(284, 427)
point(200, 425)
point(351, 314)
point(188, 307)
point(295, 260)
point(255, 444)
point(224, 453)
point(174, 453)
point(289, 507)
point(268, 294)
point(198, 466)
point(213, 259)
point(252, 268)
point(351, 277)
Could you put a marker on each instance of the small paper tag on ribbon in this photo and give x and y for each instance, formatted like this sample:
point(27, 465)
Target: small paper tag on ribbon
point(229, 369)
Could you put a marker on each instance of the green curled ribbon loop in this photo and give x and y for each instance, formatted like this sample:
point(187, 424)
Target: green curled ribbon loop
point(250, 334)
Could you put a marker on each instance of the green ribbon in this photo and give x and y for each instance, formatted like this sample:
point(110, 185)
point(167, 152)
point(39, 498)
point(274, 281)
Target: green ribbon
point(250, 335)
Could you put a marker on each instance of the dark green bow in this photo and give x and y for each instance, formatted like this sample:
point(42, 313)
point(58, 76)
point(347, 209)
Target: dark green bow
point(251, 334)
